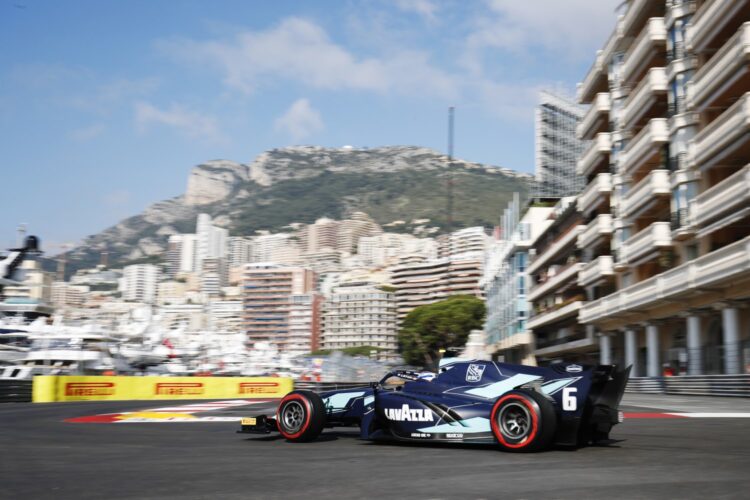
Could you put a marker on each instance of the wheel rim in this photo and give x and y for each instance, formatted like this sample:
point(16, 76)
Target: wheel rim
point(515, 421)
point(293, 416)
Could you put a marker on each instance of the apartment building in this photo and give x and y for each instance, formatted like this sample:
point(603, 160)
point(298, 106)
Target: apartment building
point(471, 240)
point(555, 293)
point(239, 251)
point(140, 283)
point(419, 281)
point(266, 292)
point(556, 146)
point(305, 312)
point(363, 315)
point(505, 288)
point(280, 248)
point(668, 193)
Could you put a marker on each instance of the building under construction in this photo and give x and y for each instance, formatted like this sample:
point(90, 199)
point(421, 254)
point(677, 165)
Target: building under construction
point(557, 148)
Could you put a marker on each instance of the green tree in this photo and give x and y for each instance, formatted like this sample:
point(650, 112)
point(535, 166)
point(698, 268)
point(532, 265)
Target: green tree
point(446, 324)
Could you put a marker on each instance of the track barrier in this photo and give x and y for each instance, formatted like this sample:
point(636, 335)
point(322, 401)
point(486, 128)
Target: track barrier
point(15, 391)
point(694, 385)
point(50, 388)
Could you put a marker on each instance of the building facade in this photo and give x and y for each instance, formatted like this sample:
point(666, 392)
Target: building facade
point(668, 178)
point(505, 289)
point(305, 312)
point(557, 147)
point(266, 292)
point(360, 316)
point(140, 283)
point(555, 293)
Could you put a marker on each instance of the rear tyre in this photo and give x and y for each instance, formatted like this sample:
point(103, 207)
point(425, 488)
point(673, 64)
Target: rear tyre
point(523, 421)
point(301, 416)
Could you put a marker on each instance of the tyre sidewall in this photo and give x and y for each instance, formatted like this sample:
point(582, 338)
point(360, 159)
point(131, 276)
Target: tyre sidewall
point(543, 421)
point(314, 411)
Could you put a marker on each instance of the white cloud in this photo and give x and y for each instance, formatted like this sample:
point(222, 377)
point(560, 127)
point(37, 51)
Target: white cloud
point(300, 121)
point(300, 50)
point(427, 9)
point(570, 28)
point(84, 134)
point(191, 123)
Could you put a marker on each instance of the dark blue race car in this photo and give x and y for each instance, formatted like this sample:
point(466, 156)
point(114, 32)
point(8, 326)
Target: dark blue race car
point(519, 408)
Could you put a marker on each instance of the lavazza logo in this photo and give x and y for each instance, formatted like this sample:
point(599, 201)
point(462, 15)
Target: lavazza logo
point(474, 373)
point(406, 414)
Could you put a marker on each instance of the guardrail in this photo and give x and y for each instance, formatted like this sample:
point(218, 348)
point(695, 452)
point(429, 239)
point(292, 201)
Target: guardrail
point(694, 385)
point(328, 386)
point(15, 391)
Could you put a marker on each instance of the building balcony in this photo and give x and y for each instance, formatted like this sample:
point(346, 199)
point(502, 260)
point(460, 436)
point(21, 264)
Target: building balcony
point(727, 198)
point(709, 274)
point(711, 20)
point(652, 188)
point(645, 244)
point(643, 99)
point(647, 144)
point(725, 75)
point(723, 136)
point(637, 15)
point(554, 315)
point(596, 271)
point(596, 155)
point(600, 227)
point(596, 118)
point(596, 192)
point(555, 249)
point(651, 43)
point(554, 282)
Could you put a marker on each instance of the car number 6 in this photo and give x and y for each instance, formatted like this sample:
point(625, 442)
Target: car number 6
point(569, 400)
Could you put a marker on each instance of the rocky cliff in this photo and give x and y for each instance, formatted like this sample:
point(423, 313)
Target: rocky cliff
point(300, 184)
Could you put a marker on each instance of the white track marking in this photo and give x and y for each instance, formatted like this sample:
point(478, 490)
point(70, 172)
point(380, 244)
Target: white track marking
point(712, 415)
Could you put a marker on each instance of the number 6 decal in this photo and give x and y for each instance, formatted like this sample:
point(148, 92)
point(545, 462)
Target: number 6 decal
point(569, 400)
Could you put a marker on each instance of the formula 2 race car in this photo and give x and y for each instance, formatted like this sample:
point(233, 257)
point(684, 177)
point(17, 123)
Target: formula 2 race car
point(519, 408)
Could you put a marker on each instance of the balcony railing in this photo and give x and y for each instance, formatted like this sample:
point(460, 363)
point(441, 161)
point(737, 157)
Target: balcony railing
point(725, 198)
point(555, 314)
point(707, 22)
point(597, 152)
point(679, 219)
point(647, 142)
point(600, 186)
point(554, 249)
point(651, 41)
point(553, 282)
point(719, 71)
point(705, 274)
point(656, 184)
point(716, 141)
point(597, 112)
point(653, 87)
point(656, 236)
point(600, 268)
point(601, 226)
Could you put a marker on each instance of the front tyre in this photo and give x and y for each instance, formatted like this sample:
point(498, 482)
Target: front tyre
point(523, 420)
point(301, 416)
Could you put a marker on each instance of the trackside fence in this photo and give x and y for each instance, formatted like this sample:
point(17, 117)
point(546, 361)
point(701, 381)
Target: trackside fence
point(15, 391)
point(694, 385)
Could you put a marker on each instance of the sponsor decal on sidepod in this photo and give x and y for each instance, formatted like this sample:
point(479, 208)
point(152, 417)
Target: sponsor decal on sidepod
point(406, 414)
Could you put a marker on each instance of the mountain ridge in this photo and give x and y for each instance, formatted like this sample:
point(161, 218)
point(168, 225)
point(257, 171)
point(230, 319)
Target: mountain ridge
point(302, 183)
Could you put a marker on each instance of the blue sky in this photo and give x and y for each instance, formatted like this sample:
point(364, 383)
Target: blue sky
point(106, 105)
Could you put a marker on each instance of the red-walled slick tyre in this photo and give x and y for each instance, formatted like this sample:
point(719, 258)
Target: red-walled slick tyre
point(301, 416)
point(523, 421)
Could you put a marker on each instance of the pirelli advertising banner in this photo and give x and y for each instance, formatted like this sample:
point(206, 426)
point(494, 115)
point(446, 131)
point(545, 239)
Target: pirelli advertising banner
point(95, 388)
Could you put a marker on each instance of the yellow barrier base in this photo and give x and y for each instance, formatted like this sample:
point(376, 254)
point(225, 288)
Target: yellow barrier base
point(49, 388)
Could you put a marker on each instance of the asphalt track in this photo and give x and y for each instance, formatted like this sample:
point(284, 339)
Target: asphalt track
point(41, 456)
